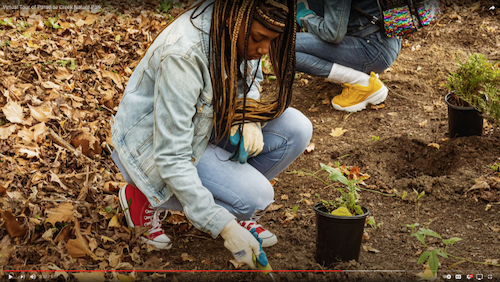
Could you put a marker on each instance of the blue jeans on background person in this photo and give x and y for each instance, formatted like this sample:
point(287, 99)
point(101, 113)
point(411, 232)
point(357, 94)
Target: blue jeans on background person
point(374, 52)
point(244, 189)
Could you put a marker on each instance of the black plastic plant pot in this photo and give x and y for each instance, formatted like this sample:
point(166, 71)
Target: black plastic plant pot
point(463, 121)
point(338, 238)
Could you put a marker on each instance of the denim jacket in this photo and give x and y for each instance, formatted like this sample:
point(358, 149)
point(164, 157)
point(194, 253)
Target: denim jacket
point(165, 119)
point(340, 19)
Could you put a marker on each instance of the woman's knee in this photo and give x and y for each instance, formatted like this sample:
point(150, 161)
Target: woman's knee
point(254, 198)
point(302, 128)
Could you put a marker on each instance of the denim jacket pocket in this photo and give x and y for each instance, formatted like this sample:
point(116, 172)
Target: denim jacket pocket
point(203, 119)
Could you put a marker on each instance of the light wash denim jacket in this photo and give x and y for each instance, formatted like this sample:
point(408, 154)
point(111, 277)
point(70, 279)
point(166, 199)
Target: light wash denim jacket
point(165, 119)
point(340, 20)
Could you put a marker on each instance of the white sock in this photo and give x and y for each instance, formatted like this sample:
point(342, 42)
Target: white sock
point(342, 74)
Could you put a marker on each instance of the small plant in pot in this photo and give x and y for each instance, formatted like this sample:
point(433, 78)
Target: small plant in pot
point(339, 222)
point(474, 95)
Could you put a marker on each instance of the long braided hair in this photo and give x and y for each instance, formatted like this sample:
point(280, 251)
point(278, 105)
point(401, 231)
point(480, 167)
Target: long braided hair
point(275, 15)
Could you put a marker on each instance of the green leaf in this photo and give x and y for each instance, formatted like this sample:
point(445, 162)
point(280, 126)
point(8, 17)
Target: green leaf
point(335, 175)
point(451, 241)
point(439, 252)
point(429, 232)
point(433, 263)
point(359, 211)
point(423, 257)
point(271, 78)
point(295, 208)
point(72, 65)
point(419, 236)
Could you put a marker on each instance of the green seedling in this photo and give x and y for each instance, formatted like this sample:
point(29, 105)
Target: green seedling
point(371, 221)
point(8, 22)
point(164, 6)
point(431, 253)
point(494, 167)
point(374, 138)
point(52, 23)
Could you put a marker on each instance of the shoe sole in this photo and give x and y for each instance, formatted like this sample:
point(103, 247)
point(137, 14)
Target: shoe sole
point(374, 99)
point(123, 201)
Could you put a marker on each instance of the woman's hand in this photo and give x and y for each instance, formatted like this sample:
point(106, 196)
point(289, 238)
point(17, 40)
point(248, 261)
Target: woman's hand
point(252, 140)
point(241, 243)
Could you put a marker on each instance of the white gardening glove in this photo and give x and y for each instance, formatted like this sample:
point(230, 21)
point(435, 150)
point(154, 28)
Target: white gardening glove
point(252, 140)
point(241, 243)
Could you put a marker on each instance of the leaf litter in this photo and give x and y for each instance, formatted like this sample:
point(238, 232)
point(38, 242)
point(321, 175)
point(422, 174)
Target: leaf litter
point(61, 73)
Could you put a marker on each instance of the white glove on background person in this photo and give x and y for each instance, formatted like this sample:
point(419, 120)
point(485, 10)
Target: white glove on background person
point(241, 243)
point(252, 140)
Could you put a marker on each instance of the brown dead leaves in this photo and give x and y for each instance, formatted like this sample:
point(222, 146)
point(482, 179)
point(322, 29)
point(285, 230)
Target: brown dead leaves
point(59, 88)
point(13, 226)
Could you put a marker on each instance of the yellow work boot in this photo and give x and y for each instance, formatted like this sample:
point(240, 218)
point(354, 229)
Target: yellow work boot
point(355, 97)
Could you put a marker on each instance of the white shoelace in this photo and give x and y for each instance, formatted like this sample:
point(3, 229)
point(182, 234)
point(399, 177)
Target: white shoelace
point(248, 224)
point(154, 220)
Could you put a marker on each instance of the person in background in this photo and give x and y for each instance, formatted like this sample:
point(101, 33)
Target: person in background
point(192, 132)
point(345, 47)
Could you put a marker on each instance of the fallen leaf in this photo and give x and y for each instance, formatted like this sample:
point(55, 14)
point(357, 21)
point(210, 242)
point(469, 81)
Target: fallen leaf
point(114, 76)
point(422, 124)
point(124, 278)
point(113, 186)
point(378, 107)
point(236, 264)
point(366, 236)
point(55, 178)
point(90, 276)
point(426, 274)
point(7, 131)
point(47, 235)
point(274, 207)
point(52, 266)
point(79, 247)
point(50, 85)
point(206, 261)
point(114, 259)
point(61, 213)
point(13, 226)
point(392, 114)
point(186, 257)
point(64, 234)
point(14, 112)
point(308, 202)
point(175, 218)
point(308, 195)
point(338, 132)
point(491, 261)
point(310, 148)
point(284, 197)
point(6, 250)
point(113, 222)
point(63, 74)
point(370, 249)
point(289, 216)
point(106, 239)
point(434, 145)
point(42, 113)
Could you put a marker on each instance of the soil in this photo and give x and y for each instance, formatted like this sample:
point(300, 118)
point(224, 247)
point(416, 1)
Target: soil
point(396, 146)
point(403, 145)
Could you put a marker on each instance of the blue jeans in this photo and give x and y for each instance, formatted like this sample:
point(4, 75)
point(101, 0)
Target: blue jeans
point(244, 189)
point(374, 52)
